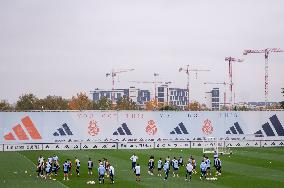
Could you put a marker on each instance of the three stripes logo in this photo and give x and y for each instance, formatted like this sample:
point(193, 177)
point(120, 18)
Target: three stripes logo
point(268, 130)
point(236, 129)
point(63, 131)
point(180, 129)
point(123, 130)
point(22, 131)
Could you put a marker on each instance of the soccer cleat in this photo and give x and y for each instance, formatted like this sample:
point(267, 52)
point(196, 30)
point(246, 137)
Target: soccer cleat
point(200, 178)
point(185, 179)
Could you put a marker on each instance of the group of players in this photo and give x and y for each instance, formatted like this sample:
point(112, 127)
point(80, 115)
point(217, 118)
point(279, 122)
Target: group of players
point(49, 167)
point(205, 167)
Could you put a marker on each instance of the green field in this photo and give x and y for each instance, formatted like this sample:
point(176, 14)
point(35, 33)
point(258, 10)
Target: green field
point(247, 167)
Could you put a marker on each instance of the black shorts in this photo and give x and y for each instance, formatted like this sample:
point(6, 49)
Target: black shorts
point(90, 168)
point(203, 173)
point(208, 168)
point(137, 174)
point(175, 169)
point(65, 172)
point(189, 172)
point(151, 167)
point(159, 169)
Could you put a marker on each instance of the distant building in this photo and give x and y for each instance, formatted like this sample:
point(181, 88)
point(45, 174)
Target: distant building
point(143, 96)
point(208, 99)
point(173, 96)
point(215, 99)
point(136, 95)
point(118, 93)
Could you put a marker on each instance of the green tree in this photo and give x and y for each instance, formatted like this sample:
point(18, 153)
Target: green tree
point(5, 106)
point(27, 102)
point(53, 103)
point(194, 106)
point(168, 108)
point(125, 103)
point(282, 102)
point(80, 102)
point(102, 104)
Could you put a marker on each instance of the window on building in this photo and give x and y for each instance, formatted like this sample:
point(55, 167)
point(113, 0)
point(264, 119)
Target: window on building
point(160, 89)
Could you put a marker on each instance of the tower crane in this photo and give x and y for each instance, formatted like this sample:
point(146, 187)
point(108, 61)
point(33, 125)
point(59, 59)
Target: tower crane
point(266, 53)
point(219, 83)
point(113, 74)
point(187, 70)
point(231, 60)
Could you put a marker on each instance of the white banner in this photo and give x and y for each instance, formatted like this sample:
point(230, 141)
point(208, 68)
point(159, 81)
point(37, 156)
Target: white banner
point(98, 146)
point(242, 143)
point(68, 146)
point(1, 147)
point(137, 126)
point(22, 147)
point(172, 145)
point(135, 145)
point(276, 143)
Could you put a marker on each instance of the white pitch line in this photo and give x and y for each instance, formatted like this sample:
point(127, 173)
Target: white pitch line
point(35, 166)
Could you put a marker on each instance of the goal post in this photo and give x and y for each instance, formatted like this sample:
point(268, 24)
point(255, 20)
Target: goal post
point(214, 144)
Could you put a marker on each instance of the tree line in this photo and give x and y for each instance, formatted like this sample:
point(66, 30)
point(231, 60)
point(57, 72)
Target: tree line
point(29, 102)
point(81, 101)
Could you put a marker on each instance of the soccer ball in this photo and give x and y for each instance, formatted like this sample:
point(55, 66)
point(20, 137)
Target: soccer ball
point(26, 172)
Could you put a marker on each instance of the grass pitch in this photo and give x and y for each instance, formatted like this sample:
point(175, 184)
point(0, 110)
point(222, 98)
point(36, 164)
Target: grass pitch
point(247, 167)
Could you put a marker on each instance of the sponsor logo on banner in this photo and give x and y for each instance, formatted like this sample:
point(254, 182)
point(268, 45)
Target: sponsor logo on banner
point(123, 130)
point(180, 129)
point(276, 143)
point(93, 128)
point(70, 146)
point(21, 132)
point(22, 147)
point(151, 128)
point(207, 128)
point(129, 145)
point(242, 143)
point(267, 128)
point(236, 129)
point(99, 146)
point(173, 145)
point(64, 130)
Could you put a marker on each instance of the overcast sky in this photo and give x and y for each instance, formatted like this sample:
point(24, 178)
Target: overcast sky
point(57, 47)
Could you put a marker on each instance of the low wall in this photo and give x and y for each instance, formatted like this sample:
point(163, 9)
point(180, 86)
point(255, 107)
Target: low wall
point(140, 145)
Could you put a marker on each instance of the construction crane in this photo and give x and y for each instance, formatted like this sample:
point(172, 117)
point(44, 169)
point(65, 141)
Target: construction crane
point(266, 53)
point(231, 60)
point(113, 74)
point(219, 83)
point(187, 70)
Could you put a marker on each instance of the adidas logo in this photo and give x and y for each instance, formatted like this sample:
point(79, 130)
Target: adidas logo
point(123, 130)
point(180, 129)
point(268, 129)
point(22, 131)
point(236, 129)
point(65, 130)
